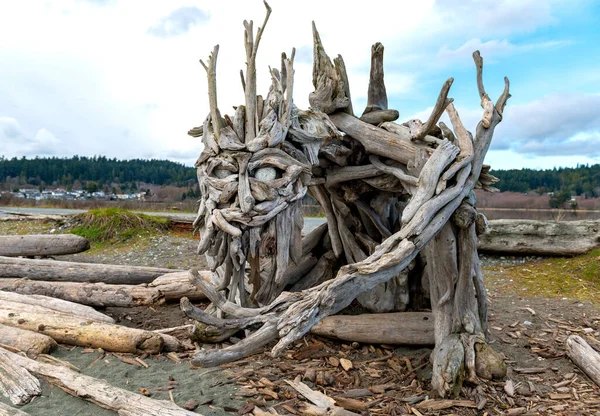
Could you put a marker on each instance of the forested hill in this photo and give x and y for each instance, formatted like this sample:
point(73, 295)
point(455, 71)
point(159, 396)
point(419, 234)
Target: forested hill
point(582, 180)
point(64, 171)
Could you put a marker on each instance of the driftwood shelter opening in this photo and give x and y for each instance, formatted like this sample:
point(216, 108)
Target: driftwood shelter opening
point(402, 224)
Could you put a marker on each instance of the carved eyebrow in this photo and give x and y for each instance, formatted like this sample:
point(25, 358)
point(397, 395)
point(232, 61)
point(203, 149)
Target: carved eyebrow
point(275, 157)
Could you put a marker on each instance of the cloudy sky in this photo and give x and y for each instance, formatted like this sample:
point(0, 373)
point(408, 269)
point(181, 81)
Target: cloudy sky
point(121, 78)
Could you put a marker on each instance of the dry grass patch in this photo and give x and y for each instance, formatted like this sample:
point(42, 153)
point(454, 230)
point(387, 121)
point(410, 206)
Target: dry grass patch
point(574, 277)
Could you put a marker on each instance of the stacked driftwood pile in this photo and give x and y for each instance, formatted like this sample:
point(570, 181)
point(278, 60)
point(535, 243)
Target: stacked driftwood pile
point(46, 302)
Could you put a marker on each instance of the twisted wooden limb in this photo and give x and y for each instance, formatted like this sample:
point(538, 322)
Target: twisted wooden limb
point(251, 45)
point(340, 68)
point(446, 132)
point(377, 141)
point(409, 182)
point(377, 111)
point(419, 130)
point(321, 196)
point(329, 94)
point(211, 72)
point(428, 178)
point(465, 143)
point(377, 95)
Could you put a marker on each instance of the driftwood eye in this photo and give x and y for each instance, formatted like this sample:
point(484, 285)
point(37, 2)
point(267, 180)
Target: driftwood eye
point(267, 173)
point(222, 173)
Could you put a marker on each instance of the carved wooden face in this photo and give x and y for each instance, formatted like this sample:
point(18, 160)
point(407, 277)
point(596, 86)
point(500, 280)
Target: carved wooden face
point(251, 202)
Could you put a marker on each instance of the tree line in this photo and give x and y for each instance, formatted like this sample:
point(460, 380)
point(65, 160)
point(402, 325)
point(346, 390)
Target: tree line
point(99, 169)
point(583, 180)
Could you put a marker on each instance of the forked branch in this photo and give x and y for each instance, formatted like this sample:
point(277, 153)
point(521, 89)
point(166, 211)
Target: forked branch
point(211, 73)
point(418, 130)
point(249, 83)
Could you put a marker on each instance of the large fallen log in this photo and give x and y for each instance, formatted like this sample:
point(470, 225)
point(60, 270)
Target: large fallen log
point(586, 358)
point(168, 287)
point(174, 286)
point(31, 343)
point(99, 295)
point(543, 238)
point(39, 303)
point(15, 382)
point(6, 410)
point(72, 330)
point(403, 328)
point(42, 245)
point(63, 271)
point(97, 391)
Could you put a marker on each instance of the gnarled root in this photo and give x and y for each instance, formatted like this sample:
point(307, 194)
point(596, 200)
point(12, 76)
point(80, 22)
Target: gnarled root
point(463, 357)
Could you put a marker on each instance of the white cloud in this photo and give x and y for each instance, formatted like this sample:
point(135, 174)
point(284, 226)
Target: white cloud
point(179, 22)
point(17, 141)
point(99, 83)
point(491, 49)
point(555, 125)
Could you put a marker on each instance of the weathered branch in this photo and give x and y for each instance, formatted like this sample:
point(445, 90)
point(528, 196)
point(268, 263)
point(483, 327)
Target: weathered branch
point(420, 130)
point(211, 73)
point(250, 83)
point(329, 94)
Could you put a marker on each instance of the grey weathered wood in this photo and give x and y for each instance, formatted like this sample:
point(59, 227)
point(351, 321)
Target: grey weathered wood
point(92, 294)
point(542, 238)
point(321, 196)
point(97, 391)
point(377, 141)
point(31, 343)
point(428, 179)
point(586, 358)
point(41, 302)
point(15, 382)
point(349, 173)
point(251, 44)
point(376, 95)
point(174, 286)
point(322, 271)
point(62, 271)
point(422, 129)
point(42, 245)
point(402, 328)
point(329, 94)
point(442, 273)
point(211, 71)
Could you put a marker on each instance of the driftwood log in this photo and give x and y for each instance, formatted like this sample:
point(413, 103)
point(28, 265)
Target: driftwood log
point(584, 356)
point(167, 287)
point(71, 330)
point(15, 382)
point(402, 328)
point(174, 286)
point(42, 245)
point(31, 343)
point(540, 238)
point(6, 410)
point(98, 295)
point(401, 219)
point(41, 304)
point(63, 271)
point(96, 391)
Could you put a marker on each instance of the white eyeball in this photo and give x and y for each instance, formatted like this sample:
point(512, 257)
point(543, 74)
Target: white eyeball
point(265, 174)
point(222, 173)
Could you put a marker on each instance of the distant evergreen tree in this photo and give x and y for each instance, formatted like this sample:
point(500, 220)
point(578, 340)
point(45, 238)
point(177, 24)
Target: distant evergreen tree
point(582, 180)
point(99, 169)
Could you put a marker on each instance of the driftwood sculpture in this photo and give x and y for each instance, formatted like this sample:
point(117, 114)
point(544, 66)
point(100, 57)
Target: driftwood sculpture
point(401, 229)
